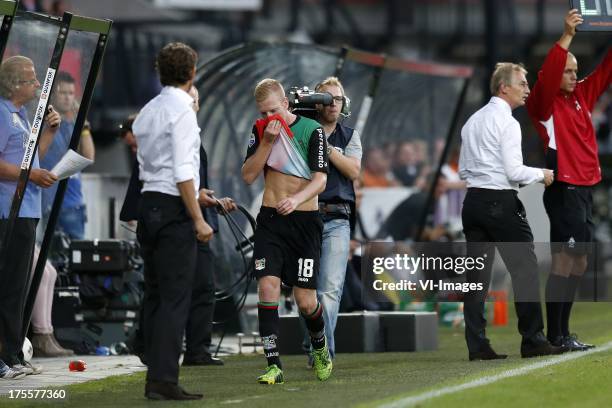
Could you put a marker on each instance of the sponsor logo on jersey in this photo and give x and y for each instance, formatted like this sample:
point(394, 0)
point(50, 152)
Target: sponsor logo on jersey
point(321, 157)
point(260, 264)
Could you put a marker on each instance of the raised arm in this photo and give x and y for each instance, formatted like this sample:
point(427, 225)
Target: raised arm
point(572, 20)
point(50, 128)
point(540, 101)
point(259, 151)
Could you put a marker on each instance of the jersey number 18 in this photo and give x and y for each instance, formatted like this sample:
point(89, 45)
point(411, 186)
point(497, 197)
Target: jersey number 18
point(306, 267)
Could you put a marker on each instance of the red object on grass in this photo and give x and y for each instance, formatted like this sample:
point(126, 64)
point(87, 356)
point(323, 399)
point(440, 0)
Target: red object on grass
point(77, 365)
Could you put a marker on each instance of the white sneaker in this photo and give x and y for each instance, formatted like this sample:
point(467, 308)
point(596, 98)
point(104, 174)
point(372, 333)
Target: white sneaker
point(36, 369)
point(29, 368)
point(12, 374)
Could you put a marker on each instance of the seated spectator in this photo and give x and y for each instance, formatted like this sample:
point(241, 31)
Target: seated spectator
point(450, 203)
point(44, 342)
point(377, 169)
point(404, 221)
point(30, 5)
point(406, 168)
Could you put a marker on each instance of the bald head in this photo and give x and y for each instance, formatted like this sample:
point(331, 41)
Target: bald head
point(570, 74)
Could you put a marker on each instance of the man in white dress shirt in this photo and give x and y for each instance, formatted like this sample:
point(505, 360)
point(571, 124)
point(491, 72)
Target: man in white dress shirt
point(491, 162)
point(170, 218)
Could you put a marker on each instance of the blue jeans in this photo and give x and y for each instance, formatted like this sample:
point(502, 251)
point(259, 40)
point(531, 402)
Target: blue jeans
point(330, 282)
point(3, 368)
point(72, 221)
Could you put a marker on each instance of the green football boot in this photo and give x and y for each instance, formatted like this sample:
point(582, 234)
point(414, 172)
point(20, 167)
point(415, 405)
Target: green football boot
point(322, 363)
point(273, 375)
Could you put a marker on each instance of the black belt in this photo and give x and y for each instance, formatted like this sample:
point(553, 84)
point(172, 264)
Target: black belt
point(329, 209)
point(490, 191)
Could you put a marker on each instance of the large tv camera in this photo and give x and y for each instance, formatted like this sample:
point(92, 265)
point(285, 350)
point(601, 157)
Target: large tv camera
point(303, 101)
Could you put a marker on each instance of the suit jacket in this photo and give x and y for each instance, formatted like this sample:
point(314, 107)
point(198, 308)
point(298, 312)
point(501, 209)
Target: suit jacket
point(131, 203)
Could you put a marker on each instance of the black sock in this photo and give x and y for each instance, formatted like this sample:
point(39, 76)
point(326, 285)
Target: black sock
point(267, 313)
point(555, 294)
point(573, 282)
point(316, 327)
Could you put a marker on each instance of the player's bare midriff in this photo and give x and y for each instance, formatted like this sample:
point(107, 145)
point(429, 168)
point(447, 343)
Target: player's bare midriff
point(280, 186)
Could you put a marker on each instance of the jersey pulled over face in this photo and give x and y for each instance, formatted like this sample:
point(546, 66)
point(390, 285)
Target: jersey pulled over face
point(299, 150)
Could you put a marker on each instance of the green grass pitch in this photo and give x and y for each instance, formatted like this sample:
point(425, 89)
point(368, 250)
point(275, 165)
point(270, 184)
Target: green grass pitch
point(369, 380)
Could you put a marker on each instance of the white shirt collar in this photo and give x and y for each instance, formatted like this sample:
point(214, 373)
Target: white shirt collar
point(496, 100)
point(178, 93)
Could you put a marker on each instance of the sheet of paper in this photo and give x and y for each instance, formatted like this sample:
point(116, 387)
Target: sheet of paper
point(70, 164)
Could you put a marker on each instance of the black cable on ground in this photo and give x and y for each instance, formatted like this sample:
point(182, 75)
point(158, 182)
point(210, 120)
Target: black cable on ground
point(231, 291)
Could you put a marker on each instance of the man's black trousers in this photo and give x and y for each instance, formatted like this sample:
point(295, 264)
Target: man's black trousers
point(14, 285)
point(198, 333)
point(490, 218)
point(168, 243)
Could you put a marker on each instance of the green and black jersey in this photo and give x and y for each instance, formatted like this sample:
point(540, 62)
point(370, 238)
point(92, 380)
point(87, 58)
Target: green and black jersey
point(299, 154)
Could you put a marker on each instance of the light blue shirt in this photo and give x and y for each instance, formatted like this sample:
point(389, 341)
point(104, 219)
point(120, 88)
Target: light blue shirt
point(73, 197)
point(14, 132)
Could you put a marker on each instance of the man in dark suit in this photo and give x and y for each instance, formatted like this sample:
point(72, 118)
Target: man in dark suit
point(198, 332)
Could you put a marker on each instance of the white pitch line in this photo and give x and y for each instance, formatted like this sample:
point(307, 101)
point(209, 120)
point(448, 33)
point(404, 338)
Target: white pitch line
point(514, 372)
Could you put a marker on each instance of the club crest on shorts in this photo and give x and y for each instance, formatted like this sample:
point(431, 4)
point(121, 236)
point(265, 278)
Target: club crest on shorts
point(252, 140)
point(571, 242)
point(260, 264)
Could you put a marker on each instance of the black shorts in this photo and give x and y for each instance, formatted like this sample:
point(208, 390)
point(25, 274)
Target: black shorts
point(288, 246)
point(570, 211)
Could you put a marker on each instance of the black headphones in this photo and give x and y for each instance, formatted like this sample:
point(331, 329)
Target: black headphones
point(346, 102)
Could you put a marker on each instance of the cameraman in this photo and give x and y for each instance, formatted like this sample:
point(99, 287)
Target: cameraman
point(336, 204)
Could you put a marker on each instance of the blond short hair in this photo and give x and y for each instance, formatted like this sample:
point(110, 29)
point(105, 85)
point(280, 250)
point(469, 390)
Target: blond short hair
point(267, 86)
point(11, 73)
point(502, 75)
point(330, 81)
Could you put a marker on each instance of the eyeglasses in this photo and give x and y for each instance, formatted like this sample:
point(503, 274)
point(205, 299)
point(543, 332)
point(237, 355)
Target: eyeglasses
point(29, 82)
point(338, 98)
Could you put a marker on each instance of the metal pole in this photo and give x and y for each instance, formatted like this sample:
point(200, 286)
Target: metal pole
point(83, 24)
